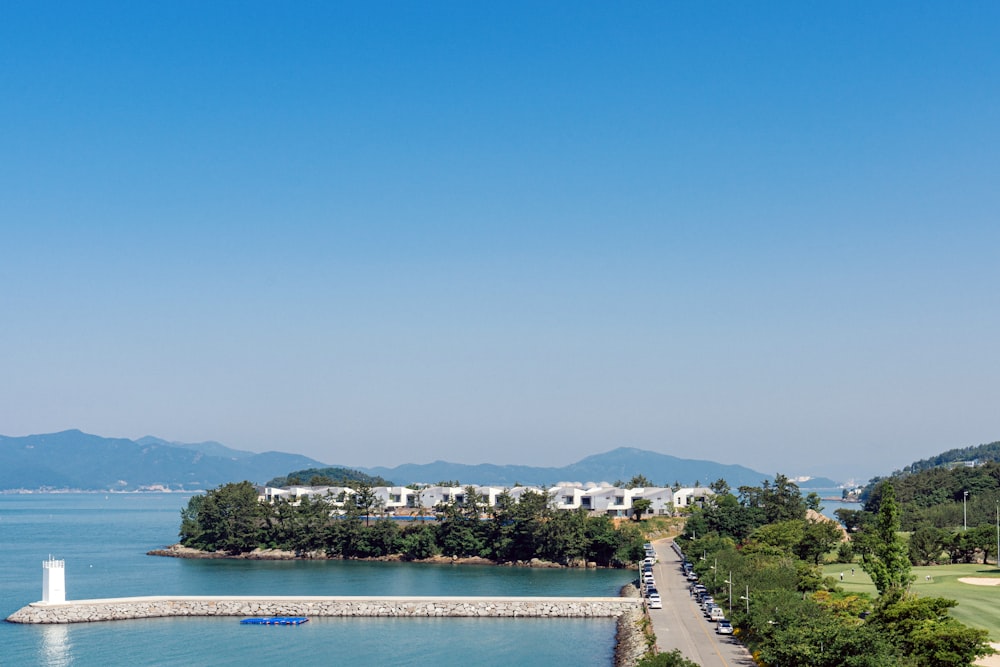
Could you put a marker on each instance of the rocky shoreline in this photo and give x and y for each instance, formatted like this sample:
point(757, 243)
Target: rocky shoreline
point(181, 551)
point(120, 609)
point(631, 642)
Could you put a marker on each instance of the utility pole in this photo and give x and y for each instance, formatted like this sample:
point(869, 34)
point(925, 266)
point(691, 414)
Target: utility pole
point(965, 515)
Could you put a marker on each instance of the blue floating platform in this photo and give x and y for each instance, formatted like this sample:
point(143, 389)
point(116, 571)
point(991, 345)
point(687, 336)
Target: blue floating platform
point(275, 620)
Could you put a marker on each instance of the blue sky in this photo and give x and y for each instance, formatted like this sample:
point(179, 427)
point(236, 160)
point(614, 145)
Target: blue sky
point(378, 233)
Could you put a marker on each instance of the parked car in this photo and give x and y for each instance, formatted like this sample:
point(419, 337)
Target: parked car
point(655, 602)
point(716, 614)
point(724, 627)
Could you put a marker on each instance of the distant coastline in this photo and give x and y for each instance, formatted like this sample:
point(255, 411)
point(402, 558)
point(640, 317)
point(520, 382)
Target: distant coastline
point(117, 492)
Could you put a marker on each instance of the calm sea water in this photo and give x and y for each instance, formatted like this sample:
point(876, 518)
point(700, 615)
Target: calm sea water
point(832, 505)
point(103, 540)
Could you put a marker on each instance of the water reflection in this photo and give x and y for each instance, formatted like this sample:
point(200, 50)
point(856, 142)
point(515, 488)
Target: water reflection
point(56, 647)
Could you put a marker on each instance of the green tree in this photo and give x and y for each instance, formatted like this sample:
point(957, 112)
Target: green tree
point(814, 502)
point(922, 630)
point(639, 507)
point(630, 540)
point(602, 540)
point(926, 545)
point(782, 500)
point(984, 539)
point(720, 486)
point(851, 519)
point(563, 538)
point(818, 538)
point(365, 500)
point(382, 539)
point(885, 555)
point(961, 547)
point(638, 482)
point(417, 542)
point(783, 535)
point(191, 531)
point(229, 518)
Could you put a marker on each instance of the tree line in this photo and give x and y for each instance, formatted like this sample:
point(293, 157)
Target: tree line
point(330, 476)
point(758, 554)
point(232, 519)
point(951, 512)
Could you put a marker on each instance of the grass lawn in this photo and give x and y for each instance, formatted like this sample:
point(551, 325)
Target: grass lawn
point(978, 606)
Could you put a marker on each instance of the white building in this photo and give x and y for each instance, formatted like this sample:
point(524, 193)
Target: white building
point(394, 498)
point(689, 496)
point(662, 500)
point(601, 498)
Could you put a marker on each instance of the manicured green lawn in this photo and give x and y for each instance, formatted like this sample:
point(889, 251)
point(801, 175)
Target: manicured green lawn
point(978, 606)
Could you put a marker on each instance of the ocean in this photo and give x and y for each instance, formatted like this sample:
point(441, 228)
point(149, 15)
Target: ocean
point(104, 539)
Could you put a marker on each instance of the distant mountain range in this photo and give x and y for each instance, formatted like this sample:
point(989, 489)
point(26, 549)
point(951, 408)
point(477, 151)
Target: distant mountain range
point(77, 460)
point(618, 464)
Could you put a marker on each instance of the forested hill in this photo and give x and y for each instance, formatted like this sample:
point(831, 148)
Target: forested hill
point(328, 477)
point(933, 491)
point(937, 496)
point(980, 453)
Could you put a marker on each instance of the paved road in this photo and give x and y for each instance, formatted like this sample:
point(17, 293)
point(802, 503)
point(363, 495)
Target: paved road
point(681, 624)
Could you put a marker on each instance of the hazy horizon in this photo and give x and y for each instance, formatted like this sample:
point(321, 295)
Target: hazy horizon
point(762, 235)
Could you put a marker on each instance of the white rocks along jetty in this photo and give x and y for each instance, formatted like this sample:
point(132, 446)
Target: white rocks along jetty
point(113, 609)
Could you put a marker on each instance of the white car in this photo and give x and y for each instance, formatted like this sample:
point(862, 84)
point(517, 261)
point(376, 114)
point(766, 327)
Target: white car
point(724, 627)
point(655, 602)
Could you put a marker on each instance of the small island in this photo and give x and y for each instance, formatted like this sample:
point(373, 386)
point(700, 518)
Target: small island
point(234, 521)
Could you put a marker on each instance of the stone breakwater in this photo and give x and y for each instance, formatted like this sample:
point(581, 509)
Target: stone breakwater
point(115, 609)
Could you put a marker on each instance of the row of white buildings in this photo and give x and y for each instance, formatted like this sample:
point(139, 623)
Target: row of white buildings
point(599, 498)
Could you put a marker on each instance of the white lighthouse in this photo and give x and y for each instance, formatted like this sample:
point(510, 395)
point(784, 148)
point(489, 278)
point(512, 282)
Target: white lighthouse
point(53, 581)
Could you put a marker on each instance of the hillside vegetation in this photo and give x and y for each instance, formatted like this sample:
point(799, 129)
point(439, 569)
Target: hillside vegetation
point(946, 491)
point(981, 453)
point(331, 476)
point(759, 553)
point(232, 519)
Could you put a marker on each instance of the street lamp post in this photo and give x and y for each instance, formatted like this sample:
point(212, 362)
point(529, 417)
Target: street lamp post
point(730, 579)
point(965, 515)
point(747, 598)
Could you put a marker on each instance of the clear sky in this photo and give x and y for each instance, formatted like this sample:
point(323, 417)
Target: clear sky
point(387, 232)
